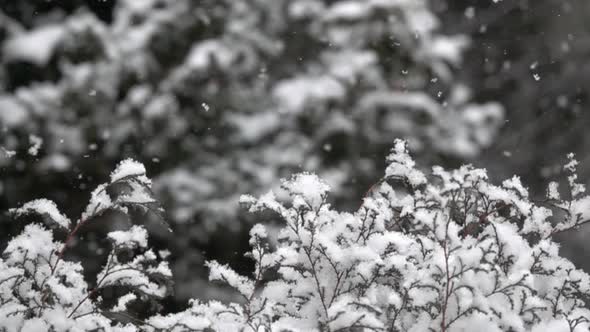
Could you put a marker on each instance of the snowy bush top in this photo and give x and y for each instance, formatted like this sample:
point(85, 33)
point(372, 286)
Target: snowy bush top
point(445, 251)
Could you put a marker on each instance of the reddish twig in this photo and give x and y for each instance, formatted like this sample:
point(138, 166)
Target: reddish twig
point(443, 323)
point(69, 238)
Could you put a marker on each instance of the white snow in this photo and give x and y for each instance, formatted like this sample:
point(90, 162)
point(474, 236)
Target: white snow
point(349, 65)
point(12, 112)
point(36, 143)
point(219, 272)
point(448, 48)
point(138, 6)
point(44, 207)
point(293, 94)
point(123, 301)
point(35, 240)
point(127, 167)
point(8, 153)
point(553, 191)
point(309, 187)
point(347, 10)
point(255, 126)
point(135, 236)
point(202, 53)
point(402, 165)
point(36, 46)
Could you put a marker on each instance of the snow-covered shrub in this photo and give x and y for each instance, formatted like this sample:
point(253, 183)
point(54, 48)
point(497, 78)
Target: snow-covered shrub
point(447, 251)
point(41, 290)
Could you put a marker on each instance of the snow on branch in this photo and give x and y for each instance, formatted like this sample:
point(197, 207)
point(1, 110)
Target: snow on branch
point(40, 290)
point(44, 207)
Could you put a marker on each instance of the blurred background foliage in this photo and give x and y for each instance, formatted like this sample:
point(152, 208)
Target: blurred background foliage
point(224, 97)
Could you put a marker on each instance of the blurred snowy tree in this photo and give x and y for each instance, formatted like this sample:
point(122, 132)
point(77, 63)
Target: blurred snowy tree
point(224, 97)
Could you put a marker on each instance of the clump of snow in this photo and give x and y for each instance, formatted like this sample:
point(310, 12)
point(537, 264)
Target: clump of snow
point(44, 207)
point(56, 162)
point(136, 236)
point(36, 46)
point(515, 184)
point(349, 65)
point(258, 231)
point(159, 106)
point(401, 165)
point(36, 143)
point(34, 241)
point(580, 209)
point(293, 94)
point(123, 302)
point(308, 187)
point(253, 127)
point(572, 163)
point(483, 119)
point(576, 188)
point(553, 191)
point(218, 272)
point(469, 12)
point(414, 101)
point(193, 319)
point(164, 253)
point(138, 6)
point(12, 112)
point(449, 48)
point(8, 153)
point(128, 168)
point(135, 274)
point(204, 52)
point(302, 9)
point(99, 201)
point(347, 10)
